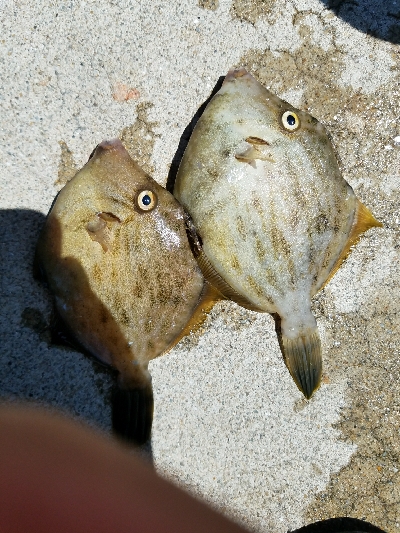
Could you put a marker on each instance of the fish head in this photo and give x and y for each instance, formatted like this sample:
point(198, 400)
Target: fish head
point(111, 197)
point(258, 126)
point(112, 183)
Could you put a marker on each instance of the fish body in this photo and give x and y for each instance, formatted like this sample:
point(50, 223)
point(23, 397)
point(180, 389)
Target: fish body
point(275, 217)
point(116, 256)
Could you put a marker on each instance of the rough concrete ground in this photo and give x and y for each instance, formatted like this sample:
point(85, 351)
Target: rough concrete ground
point(229, 422)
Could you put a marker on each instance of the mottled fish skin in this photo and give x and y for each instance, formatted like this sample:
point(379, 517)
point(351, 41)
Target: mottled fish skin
point(116, 256)
point(261, 182)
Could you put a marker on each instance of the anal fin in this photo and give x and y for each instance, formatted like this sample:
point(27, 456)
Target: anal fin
point(216, 288)
point(221, 285)
point(209, 297)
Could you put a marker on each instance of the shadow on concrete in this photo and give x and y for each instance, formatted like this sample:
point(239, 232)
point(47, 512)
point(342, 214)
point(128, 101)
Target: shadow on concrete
point(379, 18)
point(187, 132)
point(33, 364)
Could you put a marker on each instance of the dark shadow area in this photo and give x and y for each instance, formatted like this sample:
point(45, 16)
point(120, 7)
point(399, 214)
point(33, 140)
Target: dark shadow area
point(132, 413)
point(379, 18)
point(339, 525)
point(37, 363)
point(89, 320)
point(187, 132)
point(28, 328)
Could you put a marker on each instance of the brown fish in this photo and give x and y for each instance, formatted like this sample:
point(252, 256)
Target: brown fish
point(115, 253)
point(262, 185)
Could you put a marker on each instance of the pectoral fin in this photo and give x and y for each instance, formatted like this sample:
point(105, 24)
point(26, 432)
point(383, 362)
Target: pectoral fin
point(100, 229)
point(251, 154)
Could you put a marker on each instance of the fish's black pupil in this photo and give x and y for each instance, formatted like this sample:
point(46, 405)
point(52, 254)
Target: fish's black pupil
point(146, 200)
point(291, 120)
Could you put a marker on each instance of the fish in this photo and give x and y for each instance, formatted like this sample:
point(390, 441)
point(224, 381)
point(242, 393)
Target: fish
point(115, 254)
point(275, 218)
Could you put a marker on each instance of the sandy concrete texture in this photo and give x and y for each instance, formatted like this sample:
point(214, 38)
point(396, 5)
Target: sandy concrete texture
point(229, 423)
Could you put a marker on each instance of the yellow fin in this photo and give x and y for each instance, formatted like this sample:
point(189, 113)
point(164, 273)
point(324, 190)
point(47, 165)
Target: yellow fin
point(363, 221)
point(209, 297)
point(221, 285)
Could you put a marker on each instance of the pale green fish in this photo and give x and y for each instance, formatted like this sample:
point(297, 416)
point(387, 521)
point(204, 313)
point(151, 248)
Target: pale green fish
point(115, 253)
point(275, 217)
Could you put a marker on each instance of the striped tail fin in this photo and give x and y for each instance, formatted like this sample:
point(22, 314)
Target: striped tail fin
point(303, 359)
point(132, 413)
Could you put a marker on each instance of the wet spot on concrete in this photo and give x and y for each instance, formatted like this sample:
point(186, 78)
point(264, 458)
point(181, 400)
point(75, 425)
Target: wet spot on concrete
point(367, 351)
point(212, 5)
point(33, 318)
point(299, 405)
point(67, 167)
point(139, 138)
point(252, 10)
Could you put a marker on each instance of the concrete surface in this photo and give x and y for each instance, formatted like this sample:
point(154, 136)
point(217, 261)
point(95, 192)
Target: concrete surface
point(229, 423)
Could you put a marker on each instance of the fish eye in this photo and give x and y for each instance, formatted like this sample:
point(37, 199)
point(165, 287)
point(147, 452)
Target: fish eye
point(146, 200)
point(290, 121)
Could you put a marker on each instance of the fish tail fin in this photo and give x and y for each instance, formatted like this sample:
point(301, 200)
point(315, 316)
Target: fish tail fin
point(302, 356)
point(132, 413)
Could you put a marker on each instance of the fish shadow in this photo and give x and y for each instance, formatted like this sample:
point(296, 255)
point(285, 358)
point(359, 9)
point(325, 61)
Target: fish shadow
point(378, 18)
point(339, 525)
point(187, 132)
point(37, 363)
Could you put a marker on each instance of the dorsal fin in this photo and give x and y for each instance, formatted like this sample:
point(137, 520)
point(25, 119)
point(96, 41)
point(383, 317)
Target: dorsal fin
point(363, 221)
